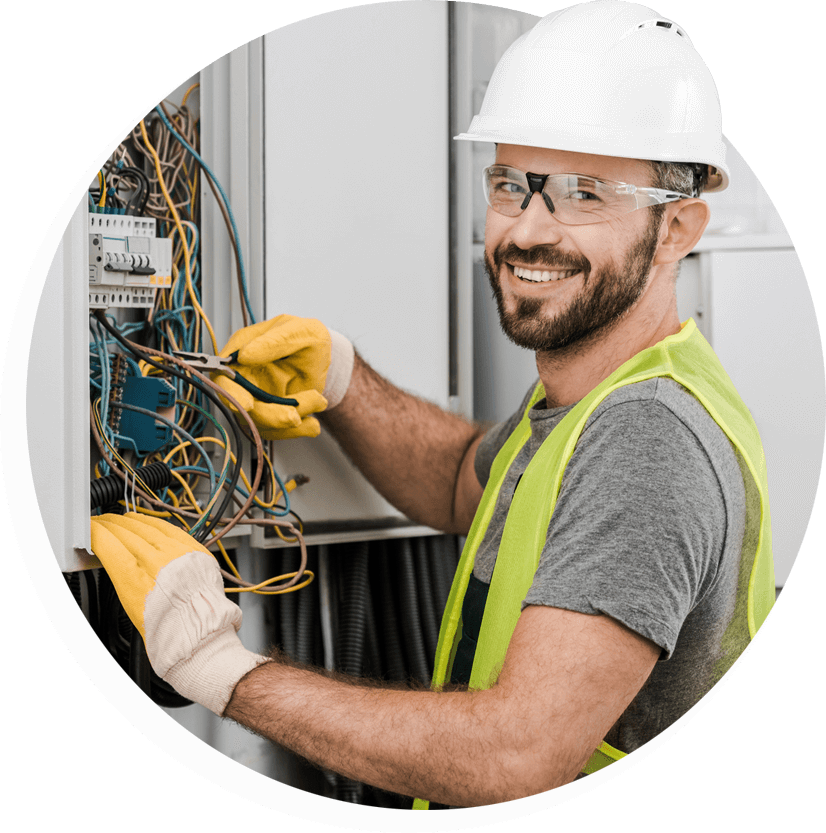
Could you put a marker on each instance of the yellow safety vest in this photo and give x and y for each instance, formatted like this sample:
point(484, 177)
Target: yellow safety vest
point(685, 357)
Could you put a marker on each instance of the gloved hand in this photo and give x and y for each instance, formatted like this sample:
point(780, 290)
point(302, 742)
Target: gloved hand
point(171, 589)
point(289, 357)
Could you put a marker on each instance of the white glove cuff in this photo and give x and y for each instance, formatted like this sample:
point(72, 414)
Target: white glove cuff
point(342, 356)
point(210, 675)
point(191, 631)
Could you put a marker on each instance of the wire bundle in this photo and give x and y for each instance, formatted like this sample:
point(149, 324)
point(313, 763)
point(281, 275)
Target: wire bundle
point(155, 172)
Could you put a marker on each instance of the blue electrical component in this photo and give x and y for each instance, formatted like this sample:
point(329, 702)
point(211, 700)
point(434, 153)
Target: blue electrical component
point(153, 394)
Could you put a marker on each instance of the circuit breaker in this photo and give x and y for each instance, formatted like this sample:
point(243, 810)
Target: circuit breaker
point(128, 262)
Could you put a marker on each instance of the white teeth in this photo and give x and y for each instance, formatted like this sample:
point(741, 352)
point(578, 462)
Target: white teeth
point(542, 277)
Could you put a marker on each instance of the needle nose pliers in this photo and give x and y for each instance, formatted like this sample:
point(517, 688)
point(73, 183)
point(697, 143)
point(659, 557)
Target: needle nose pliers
point(221, 364)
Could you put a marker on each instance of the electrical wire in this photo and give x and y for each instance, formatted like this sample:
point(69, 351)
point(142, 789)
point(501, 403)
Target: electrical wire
point(225, 210)
point(176, 320)
point(216, 483)
point(214, 393)
point(212, 177)
point(96, 421)
point(177, 219)
point(234, 576)
point(200, 380)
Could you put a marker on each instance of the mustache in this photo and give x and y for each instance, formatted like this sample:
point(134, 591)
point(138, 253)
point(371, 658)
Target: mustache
point(548, 257)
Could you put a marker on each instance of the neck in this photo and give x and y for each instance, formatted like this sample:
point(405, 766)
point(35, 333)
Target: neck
point(569, 375)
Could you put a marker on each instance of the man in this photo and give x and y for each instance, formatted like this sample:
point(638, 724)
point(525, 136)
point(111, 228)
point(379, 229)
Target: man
point(618, 559)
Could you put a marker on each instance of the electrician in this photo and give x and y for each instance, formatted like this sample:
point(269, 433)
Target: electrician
point(618, 559)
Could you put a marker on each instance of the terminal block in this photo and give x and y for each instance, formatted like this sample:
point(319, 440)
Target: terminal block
point(128, 262)
point(134, 430)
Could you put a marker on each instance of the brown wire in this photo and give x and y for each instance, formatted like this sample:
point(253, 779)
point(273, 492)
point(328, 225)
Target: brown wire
point(259, 447)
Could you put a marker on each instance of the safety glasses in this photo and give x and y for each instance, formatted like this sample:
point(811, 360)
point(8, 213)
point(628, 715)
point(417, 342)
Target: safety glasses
point(573, 199)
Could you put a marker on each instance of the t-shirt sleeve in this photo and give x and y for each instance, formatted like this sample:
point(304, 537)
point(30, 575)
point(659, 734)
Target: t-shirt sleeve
point(639, 524)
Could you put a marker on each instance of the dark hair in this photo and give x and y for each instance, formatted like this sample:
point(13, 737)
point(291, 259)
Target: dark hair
point(684, 177)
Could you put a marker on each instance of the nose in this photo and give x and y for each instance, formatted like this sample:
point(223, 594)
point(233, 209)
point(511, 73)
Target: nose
point(536, 225)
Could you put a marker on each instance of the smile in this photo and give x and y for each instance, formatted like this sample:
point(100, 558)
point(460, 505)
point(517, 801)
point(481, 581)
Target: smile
point(537, 276)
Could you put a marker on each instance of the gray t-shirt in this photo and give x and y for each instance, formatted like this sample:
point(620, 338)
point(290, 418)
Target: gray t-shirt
point(655, 526)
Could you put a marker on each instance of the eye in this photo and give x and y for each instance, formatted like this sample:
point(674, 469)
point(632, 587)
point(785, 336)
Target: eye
point(585, 196)
point(507, 187)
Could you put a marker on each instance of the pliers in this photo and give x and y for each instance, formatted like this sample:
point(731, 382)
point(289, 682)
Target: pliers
point(220, 364)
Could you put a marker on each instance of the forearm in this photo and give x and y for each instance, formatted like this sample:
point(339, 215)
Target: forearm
point(450, 747)
point(409, 449)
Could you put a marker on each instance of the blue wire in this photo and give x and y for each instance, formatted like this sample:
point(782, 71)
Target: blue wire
point(224, 197)
point(103, 360)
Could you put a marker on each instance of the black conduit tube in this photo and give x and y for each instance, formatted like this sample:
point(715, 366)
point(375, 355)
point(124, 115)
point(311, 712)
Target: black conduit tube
point(307, 617)
point(104, 491)
point(356, 590)
point(287, 610)
point(427, 603)
point(392, 653)
point(372, 654)
point(409, 609)
point(443, 560)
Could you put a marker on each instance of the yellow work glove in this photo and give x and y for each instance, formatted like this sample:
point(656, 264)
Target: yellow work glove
point(172, 590)
point(298, 358)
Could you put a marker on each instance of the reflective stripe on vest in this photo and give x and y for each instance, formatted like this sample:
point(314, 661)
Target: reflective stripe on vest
point(685, 357)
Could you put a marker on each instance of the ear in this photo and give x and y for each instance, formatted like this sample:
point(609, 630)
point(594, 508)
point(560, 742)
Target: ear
point(682, 227)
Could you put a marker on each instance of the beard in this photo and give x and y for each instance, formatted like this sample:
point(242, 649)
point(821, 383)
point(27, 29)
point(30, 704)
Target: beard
point(607, 295)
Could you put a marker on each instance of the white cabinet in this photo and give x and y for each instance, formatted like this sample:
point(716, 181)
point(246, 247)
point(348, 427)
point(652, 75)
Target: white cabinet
point(355, 151)
point(763, 328)
point(356, 213)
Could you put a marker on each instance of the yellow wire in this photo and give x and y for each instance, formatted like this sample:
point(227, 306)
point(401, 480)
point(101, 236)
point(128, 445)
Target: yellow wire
point(112, 450)
point(177, 271)
point(228, 560)
point(277, 493)
point(102, 183)
point(177, 219)
point(186, 94)
point(257, 587)
point(193, 182)
point(192, 499)
point(143, 511)
point(185, 444)
point(227, 455)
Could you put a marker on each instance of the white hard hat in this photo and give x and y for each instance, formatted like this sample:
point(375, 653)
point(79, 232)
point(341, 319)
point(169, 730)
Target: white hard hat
point(608, 78)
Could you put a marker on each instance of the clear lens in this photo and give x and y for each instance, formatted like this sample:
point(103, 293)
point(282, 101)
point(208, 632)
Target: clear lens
point(576, 199)
point(505, 189)
point(580, 199)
